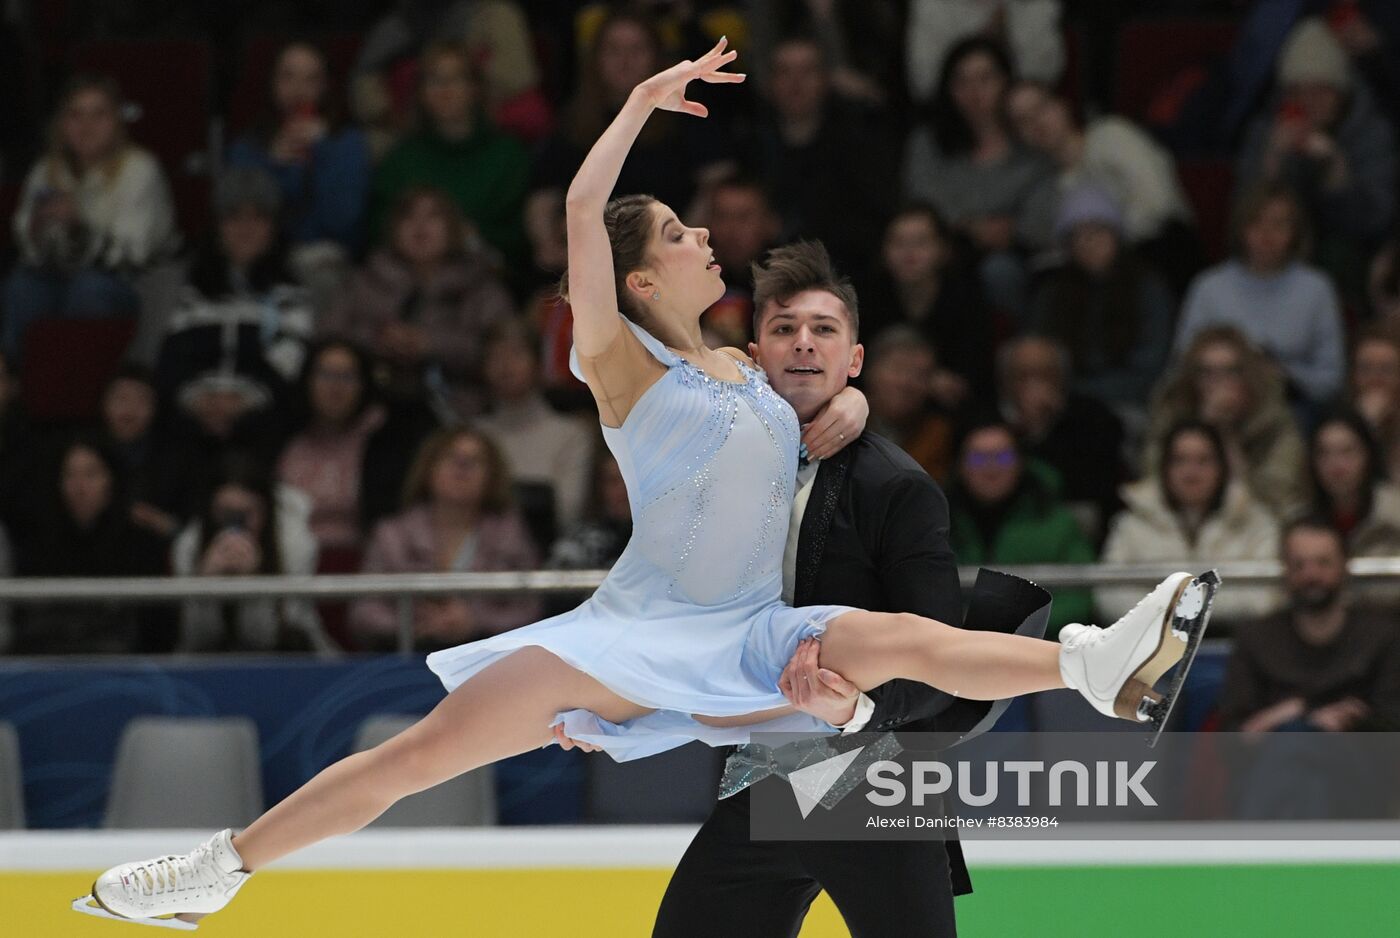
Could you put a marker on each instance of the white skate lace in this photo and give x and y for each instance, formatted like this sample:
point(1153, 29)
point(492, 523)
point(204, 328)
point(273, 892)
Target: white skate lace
point(1093, 633)
point(170, 874)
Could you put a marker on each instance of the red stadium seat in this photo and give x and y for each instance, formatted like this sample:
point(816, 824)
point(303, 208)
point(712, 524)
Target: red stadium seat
point(1154, 53)
point(67, 362)
point(335, 615)
point(1209, 186)
point(170, 79)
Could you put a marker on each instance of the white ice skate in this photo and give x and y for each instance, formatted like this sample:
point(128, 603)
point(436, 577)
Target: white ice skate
point(169, 891)
point(1115, 668)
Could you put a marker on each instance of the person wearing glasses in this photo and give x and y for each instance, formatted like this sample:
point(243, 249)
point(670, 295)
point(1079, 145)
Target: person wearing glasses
point(1006, 509)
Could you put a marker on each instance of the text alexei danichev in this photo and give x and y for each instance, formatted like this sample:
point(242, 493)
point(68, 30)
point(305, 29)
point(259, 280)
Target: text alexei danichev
point(919, 820)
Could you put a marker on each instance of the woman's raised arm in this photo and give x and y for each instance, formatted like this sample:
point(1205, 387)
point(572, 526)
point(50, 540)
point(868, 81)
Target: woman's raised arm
point(592, 293)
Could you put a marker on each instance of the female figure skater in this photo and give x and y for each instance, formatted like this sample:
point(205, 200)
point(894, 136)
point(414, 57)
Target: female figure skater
point(687, 636)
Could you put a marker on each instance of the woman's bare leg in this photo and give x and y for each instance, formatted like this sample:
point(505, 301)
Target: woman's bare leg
point(504, 710)
point(870, 648)
point(745, 719)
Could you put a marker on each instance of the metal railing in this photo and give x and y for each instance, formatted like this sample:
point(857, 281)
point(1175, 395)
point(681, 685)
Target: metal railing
point(404, 588)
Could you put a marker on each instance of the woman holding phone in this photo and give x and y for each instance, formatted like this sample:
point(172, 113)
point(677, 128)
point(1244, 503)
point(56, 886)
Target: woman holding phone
point(321, 165)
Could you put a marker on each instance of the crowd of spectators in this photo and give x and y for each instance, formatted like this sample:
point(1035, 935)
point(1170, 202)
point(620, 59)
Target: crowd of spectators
point(359, 362)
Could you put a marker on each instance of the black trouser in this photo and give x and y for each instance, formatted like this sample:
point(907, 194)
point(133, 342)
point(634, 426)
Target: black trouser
point(729, 885)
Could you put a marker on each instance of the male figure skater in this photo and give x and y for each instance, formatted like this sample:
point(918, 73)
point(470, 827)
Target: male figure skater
point(869, 528)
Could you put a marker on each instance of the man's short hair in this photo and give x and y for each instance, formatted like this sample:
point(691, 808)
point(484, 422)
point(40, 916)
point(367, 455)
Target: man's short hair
point(793, 269)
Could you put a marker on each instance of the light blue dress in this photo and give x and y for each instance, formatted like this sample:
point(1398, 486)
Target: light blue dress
point(689, 620)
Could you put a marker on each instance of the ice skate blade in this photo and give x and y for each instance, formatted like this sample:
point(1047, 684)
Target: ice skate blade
point(1158, 711)
point(88, 905)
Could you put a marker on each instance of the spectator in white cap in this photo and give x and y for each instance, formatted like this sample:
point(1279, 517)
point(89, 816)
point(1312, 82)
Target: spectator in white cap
point(1111, 311)
point(238, 334)
point(1324, 135)
point(238, 289)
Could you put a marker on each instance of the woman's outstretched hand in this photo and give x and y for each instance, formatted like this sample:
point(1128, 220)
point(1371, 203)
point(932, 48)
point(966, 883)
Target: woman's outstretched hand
point(666, 90)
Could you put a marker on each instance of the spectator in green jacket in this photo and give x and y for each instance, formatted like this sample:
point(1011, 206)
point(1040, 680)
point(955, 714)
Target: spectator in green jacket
point(1006, 510)
point(455, 148)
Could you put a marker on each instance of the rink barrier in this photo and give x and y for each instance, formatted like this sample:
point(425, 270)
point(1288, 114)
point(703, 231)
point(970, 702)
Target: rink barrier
point(596, 883)
point(661, 846)
point(405, 587)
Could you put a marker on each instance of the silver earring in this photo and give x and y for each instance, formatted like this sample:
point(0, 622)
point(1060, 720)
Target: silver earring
point(656, 295)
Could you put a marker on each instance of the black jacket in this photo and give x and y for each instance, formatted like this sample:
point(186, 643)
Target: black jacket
point(875, 536)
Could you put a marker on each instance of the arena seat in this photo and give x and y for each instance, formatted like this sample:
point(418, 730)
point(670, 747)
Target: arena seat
point(674, 787)
point(67, 362)
point(335, 614)
point(173, 126)
point(191, 772)
point(466, 801)
point(1153, 52)
point(11, 780)
point(1209, 185)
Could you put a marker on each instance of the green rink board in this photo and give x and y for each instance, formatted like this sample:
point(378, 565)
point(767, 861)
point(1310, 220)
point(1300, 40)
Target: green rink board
point(1351, 900)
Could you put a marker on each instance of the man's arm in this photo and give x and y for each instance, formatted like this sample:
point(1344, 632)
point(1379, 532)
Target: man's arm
point(918, 574)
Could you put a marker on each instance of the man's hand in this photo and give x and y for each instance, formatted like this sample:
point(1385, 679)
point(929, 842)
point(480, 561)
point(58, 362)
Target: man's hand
point(815, 690)
point(567, 743)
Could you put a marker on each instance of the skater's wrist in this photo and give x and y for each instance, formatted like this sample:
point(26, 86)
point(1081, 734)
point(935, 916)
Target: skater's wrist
point(862, 710)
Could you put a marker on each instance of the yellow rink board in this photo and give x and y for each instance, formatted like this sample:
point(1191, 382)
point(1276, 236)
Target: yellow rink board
point(477, 903)
point(565, 882)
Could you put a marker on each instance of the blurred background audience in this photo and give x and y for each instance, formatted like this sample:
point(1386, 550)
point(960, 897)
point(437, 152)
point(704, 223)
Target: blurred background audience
point(1126, 307)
